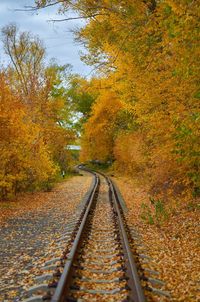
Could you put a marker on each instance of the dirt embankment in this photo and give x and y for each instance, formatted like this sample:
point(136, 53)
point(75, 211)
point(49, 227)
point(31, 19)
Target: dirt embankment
point(172, 241)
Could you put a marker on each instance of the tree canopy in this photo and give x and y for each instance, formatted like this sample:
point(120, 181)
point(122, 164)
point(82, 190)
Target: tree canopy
point(141, 109)
point(146, 54)
point(33, 116)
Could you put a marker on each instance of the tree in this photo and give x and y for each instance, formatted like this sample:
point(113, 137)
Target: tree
point(144, 49)
point(100, 128)
point(26, 53)
point(35, 113)
point(25, 160)
point(80, 101)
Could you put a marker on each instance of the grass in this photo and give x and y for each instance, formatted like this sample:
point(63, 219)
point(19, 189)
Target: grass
point(7, 205)
point(155, 212)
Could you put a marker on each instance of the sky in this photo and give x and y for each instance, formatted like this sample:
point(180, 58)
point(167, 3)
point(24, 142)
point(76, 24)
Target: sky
point(57, 36)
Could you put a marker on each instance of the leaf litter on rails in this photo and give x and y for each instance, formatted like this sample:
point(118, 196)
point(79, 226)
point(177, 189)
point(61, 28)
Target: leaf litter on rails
point(29, 227)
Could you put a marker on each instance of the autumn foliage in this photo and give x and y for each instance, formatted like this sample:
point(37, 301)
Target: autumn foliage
point(100, 127)
point(146, 114)
point(141, 111)
point(33, 135)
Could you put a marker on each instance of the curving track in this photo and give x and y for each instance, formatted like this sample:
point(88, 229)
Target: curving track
point(98, 265)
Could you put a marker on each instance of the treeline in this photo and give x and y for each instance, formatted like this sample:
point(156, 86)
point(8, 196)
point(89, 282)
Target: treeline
point(33, 116)
point(141, 111)
point(145, 116)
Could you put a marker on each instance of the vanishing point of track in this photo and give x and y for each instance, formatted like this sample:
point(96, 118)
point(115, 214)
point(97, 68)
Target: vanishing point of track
point(98, 265)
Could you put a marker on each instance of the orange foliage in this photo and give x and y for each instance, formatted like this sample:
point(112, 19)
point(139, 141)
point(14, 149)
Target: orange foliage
point(100, 128)
point(152, 46)
point(24, 157)
point(149, 53)
point(129, 148)
point(33, 117)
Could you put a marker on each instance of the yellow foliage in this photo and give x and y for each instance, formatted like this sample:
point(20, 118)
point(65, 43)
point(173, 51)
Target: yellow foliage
point(24, 157)
point(150, 52)
point(129, 152)
point(100, 128)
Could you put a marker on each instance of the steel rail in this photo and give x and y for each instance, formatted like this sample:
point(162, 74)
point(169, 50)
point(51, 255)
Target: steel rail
point(136, 291)
point(64, 282)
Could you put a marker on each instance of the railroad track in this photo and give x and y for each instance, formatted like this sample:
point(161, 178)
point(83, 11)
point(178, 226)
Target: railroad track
point(97, 262)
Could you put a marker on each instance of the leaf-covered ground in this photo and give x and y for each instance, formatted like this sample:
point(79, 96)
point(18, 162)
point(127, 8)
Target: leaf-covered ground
point(29, 227)
point(174, 245)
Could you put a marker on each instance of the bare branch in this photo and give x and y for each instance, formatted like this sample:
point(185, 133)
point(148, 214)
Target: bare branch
point(77, 18)
point(28, 8)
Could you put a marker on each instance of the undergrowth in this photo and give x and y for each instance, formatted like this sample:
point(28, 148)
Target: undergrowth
point(154, 212)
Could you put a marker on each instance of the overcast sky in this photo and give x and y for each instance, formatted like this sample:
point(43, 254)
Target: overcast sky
point(57, 37)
